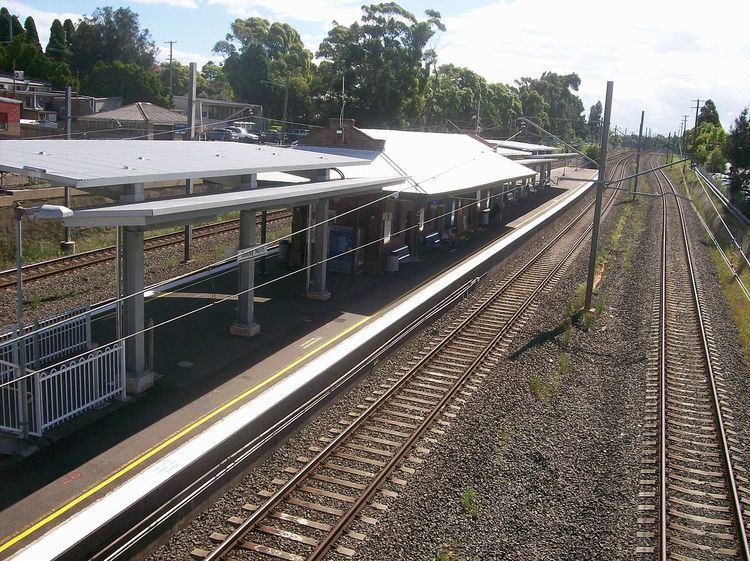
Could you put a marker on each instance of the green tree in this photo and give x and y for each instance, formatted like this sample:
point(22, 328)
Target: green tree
point(737, 151)
point(180, 77)
point(213, 83)
point(70, 33)
point(35, 64)
point(110, 35)
point(260, 59)
point(595, 120)
point(454, 93)
point(126, 80)
point(708, 146)
point(57, 48)
point(385, 64)
point(32, 37)
point(5, 17)
point(562, 108)
point(709, 114)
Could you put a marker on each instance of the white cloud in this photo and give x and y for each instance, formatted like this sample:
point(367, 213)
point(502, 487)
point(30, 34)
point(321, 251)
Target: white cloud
point(323, 11)
point(657, 53)
point(190, 4)
point(42, 19)
point(185, 57)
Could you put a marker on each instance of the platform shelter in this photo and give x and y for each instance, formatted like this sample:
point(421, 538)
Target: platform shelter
point(455, 183)
point(119, 170)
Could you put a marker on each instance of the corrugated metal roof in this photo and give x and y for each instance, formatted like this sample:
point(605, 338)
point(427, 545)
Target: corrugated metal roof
point(184, 210)
point(98, 163)
point(438, 163)
point(515, 145)
point(142, 112)
point(535, 161)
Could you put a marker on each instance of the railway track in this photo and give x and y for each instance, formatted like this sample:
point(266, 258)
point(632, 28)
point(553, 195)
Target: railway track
point(326, 503)
point(696, 494)
point(60, 265)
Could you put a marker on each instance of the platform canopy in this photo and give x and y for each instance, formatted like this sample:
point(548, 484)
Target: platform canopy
point(185, 210)
point(438, 163)
point(102, 163)
point(525, 146)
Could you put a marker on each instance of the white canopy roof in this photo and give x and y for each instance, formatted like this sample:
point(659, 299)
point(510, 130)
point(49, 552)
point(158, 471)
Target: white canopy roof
point(438, 163)
point(98, 163)
point(184, 210)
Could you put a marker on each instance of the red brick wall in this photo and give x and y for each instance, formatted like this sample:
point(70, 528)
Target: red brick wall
point(352, 138)
point(10, 113)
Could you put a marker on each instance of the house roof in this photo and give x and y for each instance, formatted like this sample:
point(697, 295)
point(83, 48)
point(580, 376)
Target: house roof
point(99, 163)
point(438, 163)
point(10, 100)
point(140, 111)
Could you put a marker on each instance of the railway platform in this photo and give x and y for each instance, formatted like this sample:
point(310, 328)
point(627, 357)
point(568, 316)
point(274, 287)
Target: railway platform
point(207, 375)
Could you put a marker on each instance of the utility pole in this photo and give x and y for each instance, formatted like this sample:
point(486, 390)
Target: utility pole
point(170, 63)
point(68, 245)
point(599, 192)
point(477, 128)
point(695, 128)
point(638, 155)
point(189, 135)
point(683, 133)
point(286, 104)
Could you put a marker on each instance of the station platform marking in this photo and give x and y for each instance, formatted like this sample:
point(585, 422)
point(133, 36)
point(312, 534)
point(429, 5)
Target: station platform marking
point(177, 436)
point(210, 296)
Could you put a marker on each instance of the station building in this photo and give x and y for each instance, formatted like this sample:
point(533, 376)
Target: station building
point(454, 184)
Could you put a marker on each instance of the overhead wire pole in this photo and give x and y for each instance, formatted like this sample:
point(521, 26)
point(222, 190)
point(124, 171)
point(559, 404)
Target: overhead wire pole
point(695, 127)
point(599, 191)
point(68, 245)
point(638, 154)
point(189, 135)
point(170, 43)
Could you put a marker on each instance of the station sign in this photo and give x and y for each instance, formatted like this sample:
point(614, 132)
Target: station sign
point(251, 253)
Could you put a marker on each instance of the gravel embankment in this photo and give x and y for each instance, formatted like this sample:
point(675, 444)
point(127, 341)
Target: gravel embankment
point(422, 489)
point(555, 470)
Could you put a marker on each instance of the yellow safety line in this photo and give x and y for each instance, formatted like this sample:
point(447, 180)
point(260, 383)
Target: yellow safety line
point(171, 440)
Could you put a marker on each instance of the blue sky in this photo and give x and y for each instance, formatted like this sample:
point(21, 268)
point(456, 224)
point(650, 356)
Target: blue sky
point(659, 54)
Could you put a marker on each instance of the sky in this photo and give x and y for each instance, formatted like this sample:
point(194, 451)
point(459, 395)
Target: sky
point(660, 54)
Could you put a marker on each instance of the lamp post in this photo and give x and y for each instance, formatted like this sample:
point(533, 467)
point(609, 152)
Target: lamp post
point(42, 212)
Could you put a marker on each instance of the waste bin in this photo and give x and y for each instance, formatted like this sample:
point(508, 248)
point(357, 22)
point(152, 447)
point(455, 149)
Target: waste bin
point(284, 251)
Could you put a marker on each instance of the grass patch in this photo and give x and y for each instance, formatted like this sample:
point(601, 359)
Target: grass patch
point(545, 388)
point(732, 292)
point(564, 364)
point(469, 504)
point(447, 553)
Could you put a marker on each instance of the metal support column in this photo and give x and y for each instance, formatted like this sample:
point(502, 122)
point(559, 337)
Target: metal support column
point(245, 325)
point(263, 239)
point(319, 290)
point(138, 379)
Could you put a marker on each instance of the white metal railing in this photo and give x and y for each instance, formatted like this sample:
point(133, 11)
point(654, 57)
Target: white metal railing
point(53, 338)
point(11, 396)
point(83, 383)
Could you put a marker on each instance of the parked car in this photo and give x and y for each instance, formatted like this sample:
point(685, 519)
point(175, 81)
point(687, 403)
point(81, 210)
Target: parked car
point(222, 134)
point(243, 135)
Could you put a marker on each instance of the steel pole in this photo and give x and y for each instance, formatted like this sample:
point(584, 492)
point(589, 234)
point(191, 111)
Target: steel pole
point(638, 154)
point(23, 410)
point(599, 191)
point(189, 135)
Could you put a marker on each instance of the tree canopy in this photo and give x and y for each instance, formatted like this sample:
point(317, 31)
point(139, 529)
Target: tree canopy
point(126, 80)
point(709, 114)
point(551, 102)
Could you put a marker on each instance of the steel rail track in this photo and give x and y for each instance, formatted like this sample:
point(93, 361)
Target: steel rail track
point(700, 514)
point(60, 265)
point(315, 507)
